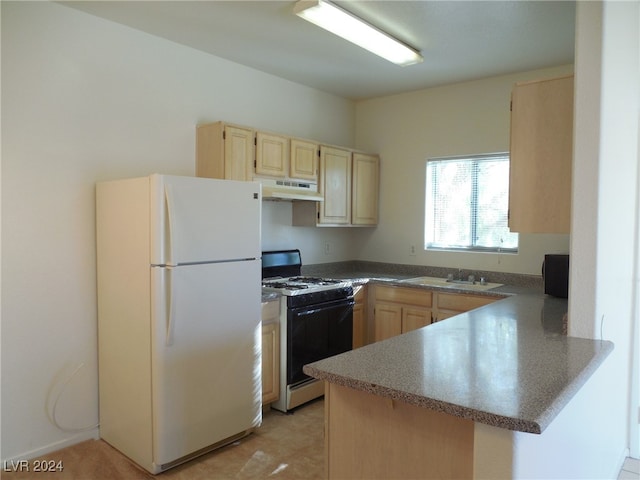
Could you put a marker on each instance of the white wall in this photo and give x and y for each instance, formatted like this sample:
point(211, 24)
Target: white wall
point(592, 434)
point(84, 100)
point(617, 222)
point(590, 437)
point(277, 233)
point(406, 129)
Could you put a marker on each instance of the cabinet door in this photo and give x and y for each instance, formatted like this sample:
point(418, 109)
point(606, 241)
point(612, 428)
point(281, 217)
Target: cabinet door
point(359, 318)
point(387, 321)
point(304, 160)
point(358, 325)
point(224, 151)
point(270, 362)
point(414, 318)
point(238, 153)
point(335, 185)
point(541, 156)
point(272, 155)
point(210, 150)
point(364, 200)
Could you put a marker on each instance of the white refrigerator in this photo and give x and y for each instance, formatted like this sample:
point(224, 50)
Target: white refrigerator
point(179, 328)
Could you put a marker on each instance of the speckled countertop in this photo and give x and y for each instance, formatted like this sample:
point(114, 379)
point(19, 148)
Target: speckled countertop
point(506, 364)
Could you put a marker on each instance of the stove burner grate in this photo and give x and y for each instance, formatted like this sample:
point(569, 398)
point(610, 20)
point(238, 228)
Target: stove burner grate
point(287, 285)
point(314, 280)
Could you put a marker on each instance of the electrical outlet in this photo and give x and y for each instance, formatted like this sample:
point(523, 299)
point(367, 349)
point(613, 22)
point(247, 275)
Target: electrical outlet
point(327, 248)
point(412, 250)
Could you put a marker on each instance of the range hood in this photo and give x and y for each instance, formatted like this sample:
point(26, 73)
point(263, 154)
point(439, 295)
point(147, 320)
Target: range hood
point(285, 189)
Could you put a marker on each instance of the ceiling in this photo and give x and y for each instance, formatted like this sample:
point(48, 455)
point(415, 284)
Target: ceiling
point(460, 40)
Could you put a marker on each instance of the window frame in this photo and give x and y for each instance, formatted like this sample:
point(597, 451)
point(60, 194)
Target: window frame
point(473, 226)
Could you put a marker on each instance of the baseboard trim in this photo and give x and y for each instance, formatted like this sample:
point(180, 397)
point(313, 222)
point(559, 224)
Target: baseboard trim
point(93, 434)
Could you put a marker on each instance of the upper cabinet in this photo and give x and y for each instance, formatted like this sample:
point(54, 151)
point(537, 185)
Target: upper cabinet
point(541, 156)
point(364, 191)
point(280, 156)
point(349, 182)
point(234, 152)
point(224, 151)
point(304, 159)
point(335, 185)
point(294, 169)
point(272, 155)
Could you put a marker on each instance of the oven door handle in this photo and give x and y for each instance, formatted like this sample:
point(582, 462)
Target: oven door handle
point(313, 309)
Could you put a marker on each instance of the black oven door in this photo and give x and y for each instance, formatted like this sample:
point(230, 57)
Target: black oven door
point(315, 332)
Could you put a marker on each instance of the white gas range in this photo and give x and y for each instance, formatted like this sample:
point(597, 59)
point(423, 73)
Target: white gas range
point(300, 285)
point(316, 322)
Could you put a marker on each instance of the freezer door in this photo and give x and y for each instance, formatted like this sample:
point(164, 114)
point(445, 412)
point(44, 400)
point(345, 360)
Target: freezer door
point(206, 350)
point(195, 220)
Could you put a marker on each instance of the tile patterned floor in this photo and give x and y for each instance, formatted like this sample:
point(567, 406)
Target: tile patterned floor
point(285, 447)
point(630, 470)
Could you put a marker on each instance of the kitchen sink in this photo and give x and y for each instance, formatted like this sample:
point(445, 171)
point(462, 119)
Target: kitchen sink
point(444, 283)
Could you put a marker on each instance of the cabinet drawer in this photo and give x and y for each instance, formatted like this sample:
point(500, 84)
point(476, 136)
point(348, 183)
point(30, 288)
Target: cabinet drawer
point(462, 303)
point(411, 296)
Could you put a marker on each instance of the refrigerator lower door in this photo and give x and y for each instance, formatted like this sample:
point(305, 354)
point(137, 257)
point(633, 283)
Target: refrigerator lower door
point(206, 347)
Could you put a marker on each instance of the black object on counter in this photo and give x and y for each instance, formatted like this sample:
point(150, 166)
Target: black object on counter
point(555, 274)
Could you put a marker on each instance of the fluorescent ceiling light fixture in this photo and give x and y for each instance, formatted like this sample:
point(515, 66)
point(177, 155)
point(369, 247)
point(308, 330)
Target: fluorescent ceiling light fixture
point(351, 28)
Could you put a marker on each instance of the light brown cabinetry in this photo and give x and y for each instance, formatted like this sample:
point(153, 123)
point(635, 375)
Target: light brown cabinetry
point(349, 182)
point(541, 156)
point(398, 310)
point(365, 186)
point(270, 352)
point(414, 318)
point(280, 156)
point(360, 316)
point(449, 304)
point(272, 155)
point(233, 152)
point(368, 436)
point(224, 151)
point(335, 186)
point(387, 321)
point(304, 159)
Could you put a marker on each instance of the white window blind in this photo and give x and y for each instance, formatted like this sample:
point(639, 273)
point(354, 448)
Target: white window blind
point(467, 202)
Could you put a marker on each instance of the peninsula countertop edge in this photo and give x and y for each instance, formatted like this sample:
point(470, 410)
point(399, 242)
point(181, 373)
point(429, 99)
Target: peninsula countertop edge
point(498, 365)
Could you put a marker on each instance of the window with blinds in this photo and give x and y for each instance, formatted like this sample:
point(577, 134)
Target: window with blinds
point(467, 201)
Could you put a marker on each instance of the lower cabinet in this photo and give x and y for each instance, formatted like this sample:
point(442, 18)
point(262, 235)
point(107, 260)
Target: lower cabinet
point(360, 316)
point(270, 352)
point(398, 310)
point(414, 318)
point(387, 321)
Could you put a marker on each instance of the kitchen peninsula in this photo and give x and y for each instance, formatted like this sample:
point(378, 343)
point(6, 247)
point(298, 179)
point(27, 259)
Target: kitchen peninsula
point(412, 406)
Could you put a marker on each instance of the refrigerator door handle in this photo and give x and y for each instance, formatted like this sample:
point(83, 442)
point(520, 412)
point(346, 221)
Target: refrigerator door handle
point(170, 307)
point(168, 195)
